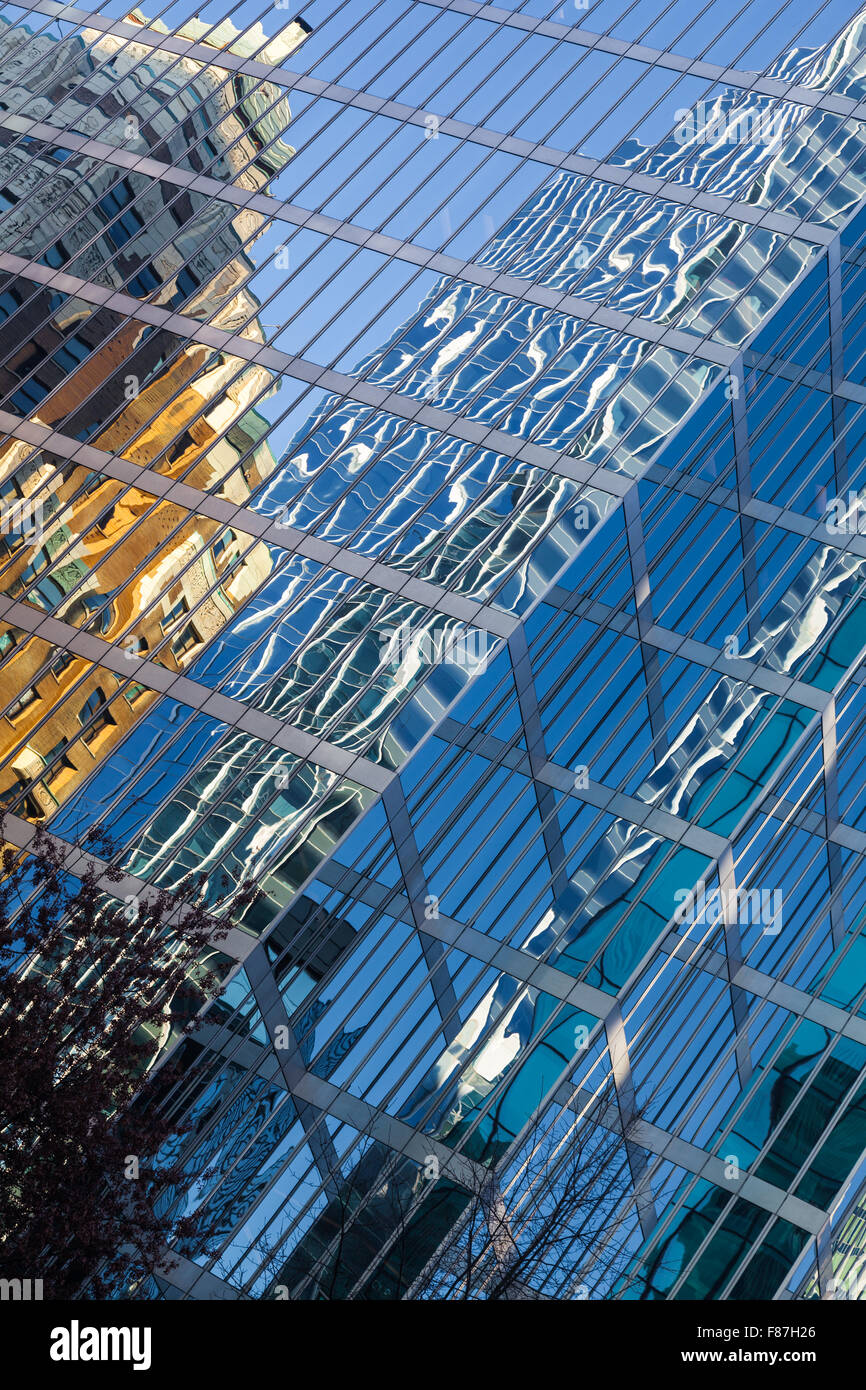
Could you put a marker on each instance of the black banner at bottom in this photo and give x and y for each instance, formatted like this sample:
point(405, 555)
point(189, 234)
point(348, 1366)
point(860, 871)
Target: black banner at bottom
point(247, 1339)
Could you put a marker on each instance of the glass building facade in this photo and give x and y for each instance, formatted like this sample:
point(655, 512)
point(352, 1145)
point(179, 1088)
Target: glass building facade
point(451, 520)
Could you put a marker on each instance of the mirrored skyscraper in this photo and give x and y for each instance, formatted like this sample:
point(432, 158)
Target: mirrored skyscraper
point(451, 521)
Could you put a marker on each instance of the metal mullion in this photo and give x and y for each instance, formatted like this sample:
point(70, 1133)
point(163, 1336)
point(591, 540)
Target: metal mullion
point(479, 1042)
point(236, 566)
point(271, 296)
point(598, 818)
point(640, 1043)
point(357, 695)
point(85, 49)
point(208, 201)
point(214, 1060)
point(768, 854)
point(700, 14)
point(144, 89)
point(361, 965)
point(604, 945)
point(159, 598)
point(227, 1140)
point(151, 510)
point(420, 1037)
point(447, 946)
point(772, 1217)
point(414, 880)
point(195, 560)
point(262, 1257)
point(679, 75)
point(272, 1256)
point(837, 357)
point(125, 321)
point(108, 263)
point(234, 839)
point(747, 1094)
point(485, 1106)
point(648, 1035)
point(302, 1009)
point(625, 1208)
point(82, 730)
point(150, 469)
point(646, 1038)
point(152, 762)
point(781, 461)
point(388, 138)
point(673, 844)
point(507, 20)
point(381, 1112)
point(670, 546)
point(668, 1220)
point(326, 914)
point(300, 83)
point(528, 705)
point(663, 1010)
point(709, 487)
point(837, 887)
point(485, 79)
point(624, 1090)
point(190, 84)
point(536, 839)
point(638, 316)
point(273, 1014)
point(41, 674)
point(287, 369)
point(388, 906)
point(642, 589)
point(426, 979)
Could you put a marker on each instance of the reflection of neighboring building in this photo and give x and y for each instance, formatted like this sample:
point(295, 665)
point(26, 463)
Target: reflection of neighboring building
point(107, 557)
point(487, 526)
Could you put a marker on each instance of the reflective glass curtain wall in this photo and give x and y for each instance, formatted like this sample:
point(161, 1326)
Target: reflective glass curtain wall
point(453, 523)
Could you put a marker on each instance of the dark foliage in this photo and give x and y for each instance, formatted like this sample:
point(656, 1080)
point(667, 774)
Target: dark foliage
point(91, 990)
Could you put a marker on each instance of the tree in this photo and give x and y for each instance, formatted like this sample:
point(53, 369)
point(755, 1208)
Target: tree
point(91, 991)
point(558, 1212)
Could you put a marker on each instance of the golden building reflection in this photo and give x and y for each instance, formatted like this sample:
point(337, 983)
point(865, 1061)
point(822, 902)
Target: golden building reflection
point(105, 556)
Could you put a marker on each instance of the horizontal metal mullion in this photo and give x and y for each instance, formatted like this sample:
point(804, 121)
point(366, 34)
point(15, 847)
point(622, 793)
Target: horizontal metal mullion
point(699, 1161)
point(19, 832)
point(545, 28)
point(248, 349)
point(646, 53)
point(238, 713)
point(584, 310)
point(288, 538)
point(619, 175)
point(491, 139)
